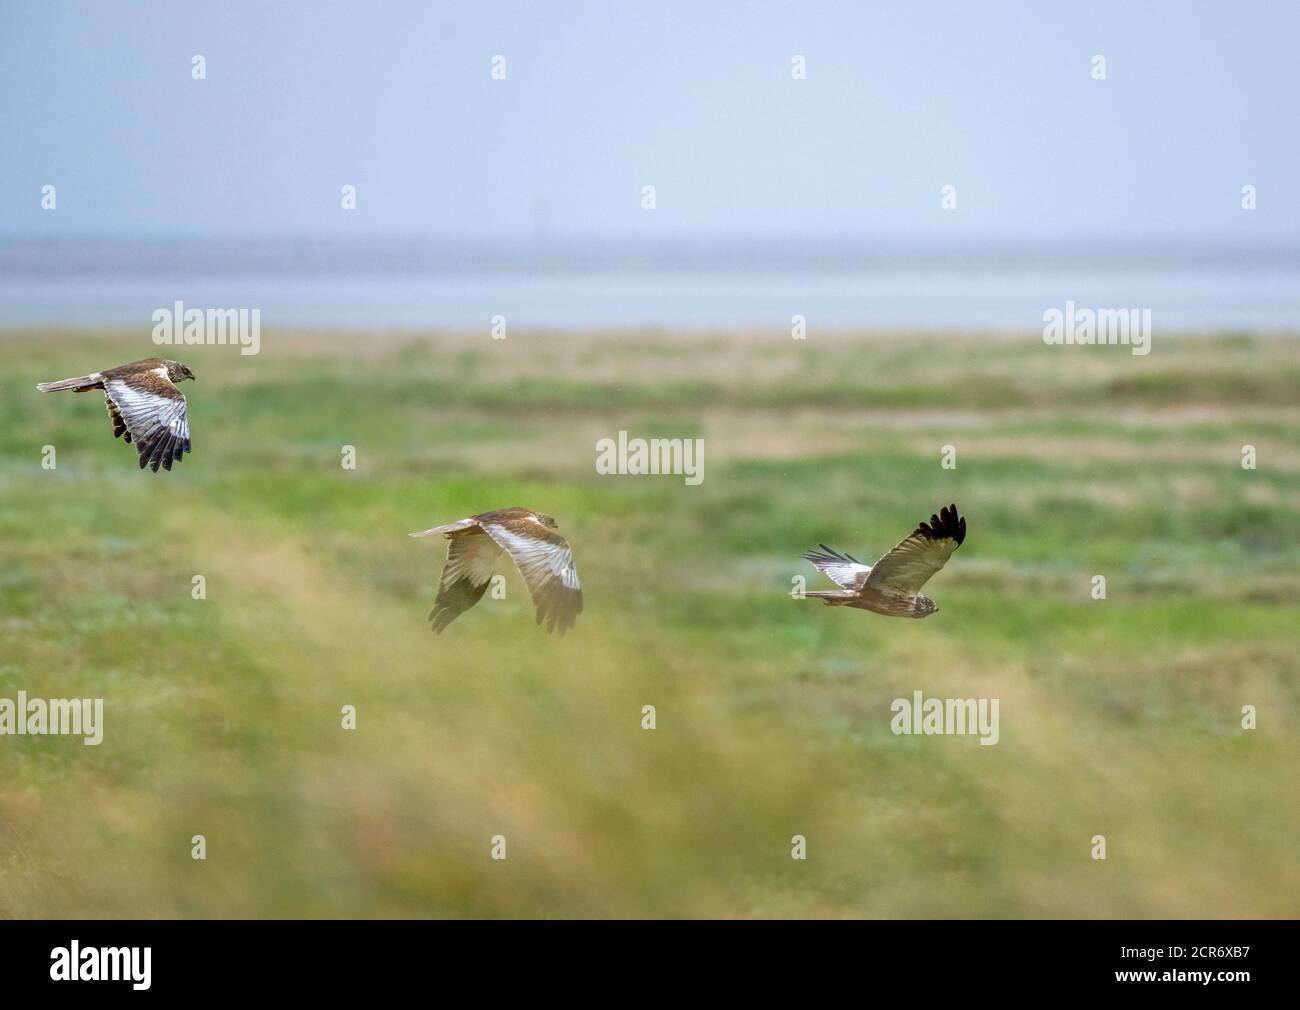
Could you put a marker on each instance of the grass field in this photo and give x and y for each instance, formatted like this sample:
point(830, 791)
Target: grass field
point(1119, 717)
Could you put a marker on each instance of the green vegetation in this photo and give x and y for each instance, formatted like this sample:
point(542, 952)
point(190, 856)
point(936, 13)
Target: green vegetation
point(1118, 717)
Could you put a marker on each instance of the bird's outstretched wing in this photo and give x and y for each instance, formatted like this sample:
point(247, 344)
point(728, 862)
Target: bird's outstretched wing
point(545, 561)
point(470, 559)
point(844, 570)
point(906, 568)
point(152, 412)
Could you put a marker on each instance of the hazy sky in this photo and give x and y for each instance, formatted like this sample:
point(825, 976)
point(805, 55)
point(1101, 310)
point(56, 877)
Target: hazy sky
point(695, 98)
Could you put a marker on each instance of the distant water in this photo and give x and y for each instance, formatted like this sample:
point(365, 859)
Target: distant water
point(431, 284)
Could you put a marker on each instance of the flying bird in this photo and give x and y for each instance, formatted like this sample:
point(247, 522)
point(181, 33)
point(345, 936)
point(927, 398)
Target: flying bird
point(542, 556)
point(144, 405)
point(892, 586)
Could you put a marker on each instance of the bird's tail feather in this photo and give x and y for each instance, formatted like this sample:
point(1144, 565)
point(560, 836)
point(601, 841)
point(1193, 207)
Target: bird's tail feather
point(464, 524)
point(80, 383)
point(833, 597)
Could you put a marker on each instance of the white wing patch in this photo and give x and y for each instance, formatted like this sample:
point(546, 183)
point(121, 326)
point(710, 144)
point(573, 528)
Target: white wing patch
point(546, 564)
point(846, 572)
point(537, 560)
point(159, 424)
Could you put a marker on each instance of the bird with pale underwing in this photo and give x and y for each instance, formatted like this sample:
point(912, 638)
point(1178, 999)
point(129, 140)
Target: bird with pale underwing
point(532, 542)
point(144, 405)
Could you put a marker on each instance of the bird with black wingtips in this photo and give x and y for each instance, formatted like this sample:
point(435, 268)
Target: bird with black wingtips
point(144, 405)
point(892, 586)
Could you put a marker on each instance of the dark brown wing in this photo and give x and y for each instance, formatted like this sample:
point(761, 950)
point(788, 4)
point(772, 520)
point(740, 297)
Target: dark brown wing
point(471, 556)
point(545, 561)
point(906, 568)
point(153, 412)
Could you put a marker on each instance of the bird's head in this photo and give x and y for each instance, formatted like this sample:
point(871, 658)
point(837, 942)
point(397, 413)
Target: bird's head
point(548, 521)
point(926, 606)
point(176, 371)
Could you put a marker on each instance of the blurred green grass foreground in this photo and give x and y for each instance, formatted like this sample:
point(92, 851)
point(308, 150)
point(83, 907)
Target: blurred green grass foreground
point(1119, 717)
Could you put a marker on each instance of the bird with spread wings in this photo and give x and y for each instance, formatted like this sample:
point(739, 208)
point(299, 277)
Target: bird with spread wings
point(144, 405)
point(892, 586)
point(542, 556)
